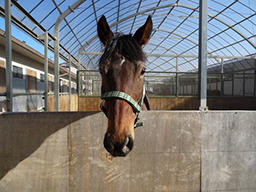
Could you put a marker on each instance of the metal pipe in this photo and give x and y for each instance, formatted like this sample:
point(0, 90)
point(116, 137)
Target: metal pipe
point(8, 56)
point(173, 55)
point(172, 5)
point(118, 12)
point(33, 20)
point(46, 71)
point(24, 94)
point(202, 61)
point(222, 78)
point(177, 76)
point(56, 51)
point(69, 83)
point(79, 60)
point(124, 19)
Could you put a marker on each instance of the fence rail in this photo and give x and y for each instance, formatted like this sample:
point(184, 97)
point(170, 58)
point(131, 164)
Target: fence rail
point(179, 84)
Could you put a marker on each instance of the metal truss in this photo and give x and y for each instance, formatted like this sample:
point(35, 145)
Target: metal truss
point(175, 28)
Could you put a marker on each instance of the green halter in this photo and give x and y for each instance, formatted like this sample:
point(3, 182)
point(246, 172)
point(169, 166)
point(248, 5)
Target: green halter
point(124, 96)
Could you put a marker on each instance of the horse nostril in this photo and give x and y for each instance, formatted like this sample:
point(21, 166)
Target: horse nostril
point(128, 144)
point(117, 149)
point(108, 144)
point(124, 147)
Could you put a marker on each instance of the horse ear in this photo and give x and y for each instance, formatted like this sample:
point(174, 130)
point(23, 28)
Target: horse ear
point(104, 32)
point(142, 35)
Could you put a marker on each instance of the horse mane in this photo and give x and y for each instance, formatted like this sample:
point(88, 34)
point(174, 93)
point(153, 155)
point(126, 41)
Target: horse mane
point(124, 45)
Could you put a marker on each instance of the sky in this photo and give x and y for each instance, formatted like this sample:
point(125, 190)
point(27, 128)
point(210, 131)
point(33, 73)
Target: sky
point(27, 39)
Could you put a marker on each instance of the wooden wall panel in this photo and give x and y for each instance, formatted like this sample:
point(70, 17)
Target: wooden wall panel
point(179, 103)
point(157, 103)
point(89, 103)
point(173, 103)
point(63, 103)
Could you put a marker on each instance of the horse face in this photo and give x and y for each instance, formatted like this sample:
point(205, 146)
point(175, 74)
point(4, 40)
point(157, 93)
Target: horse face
point(120, 72)
point(126, 77)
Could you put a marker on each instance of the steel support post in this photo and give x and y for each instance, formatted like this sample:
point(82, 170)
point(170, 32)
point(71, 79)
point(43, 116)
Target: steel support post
point(8, 56)
point(79, 73)
point(56, 72)
point(222, 79)
point(177, 76)
point(78, 79)
point(79, 61)
point(203, 53)
point(56, 51)
point(69, 83)
point(46, 71)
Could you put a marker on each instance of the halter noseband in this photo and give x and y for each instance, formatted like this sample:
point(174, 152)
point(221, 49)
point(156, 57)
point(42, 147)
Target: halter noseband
point(124, 96)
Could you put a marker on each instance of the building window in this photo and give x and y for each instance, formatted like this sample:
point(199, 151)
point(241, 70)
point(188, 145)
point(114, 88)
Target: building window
point(41, 77)
point(17, 72)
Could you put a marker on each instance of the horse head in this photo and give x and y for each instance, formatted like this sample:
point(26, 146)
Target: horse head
point(122, 68)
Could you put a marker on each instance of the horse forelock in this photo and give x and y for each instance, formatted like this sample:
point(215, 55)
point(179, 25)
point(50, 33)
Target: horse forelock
point(124, 45)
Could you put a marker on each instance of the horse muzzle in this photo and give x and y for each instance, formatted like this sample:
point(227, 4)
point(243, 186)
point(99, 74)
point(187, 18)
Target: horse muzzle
point(117, 148)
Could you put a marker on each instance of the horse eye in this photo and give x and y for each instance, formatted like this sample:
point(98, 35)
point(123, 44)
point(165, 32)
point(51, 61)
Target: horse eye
point(143, 71)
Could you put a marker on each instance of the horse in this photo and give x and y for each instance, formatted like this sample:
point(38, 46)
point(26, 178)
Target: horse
point(122, 68)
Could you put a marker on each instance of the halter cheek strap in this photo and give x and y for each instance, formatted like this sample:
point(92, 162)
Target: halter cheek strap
point(124, 96)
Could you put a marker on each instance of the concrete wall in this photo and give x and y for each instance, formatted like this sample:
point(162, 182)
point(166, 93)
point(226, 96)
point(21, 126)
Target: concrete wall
point(174, 151)
point(229, 151)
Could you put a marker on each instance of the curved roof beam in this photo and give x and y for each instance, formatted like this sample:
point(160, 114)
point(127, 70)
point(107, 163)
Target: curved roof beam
point(223, 22)
point(56, 50)
point(188, 39)
point(181, 36)
point(213, 17)
point(101, 52)
point(173, 5)
point(194, 23)
point(126, 18)
point(174, 53)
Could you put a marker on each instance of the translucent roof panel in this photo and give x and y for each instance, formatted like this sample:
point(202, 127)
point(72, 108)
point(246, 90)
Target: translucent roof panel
point(231, 28)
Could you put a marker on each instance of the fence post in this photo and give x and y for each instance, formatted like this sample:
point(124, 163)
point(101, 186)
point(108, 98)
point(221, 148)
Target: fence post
point(222, 79)
point(8, 56)
point(177, 80)
point(46, 71)
point(69, 83)
point(202, 61)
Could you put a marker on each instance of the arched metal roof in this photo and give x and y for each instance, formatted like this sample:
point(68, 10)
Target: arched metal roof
point(231, 28)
